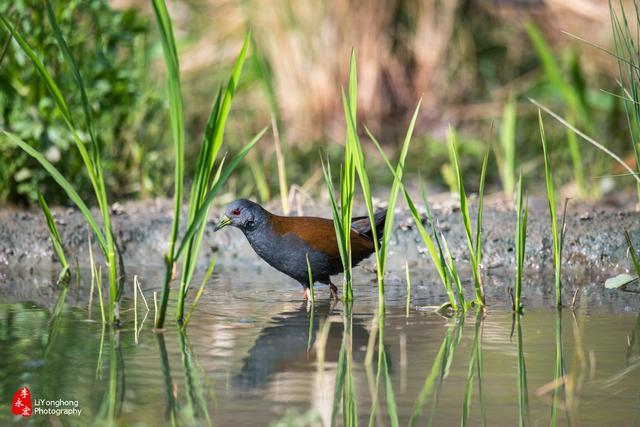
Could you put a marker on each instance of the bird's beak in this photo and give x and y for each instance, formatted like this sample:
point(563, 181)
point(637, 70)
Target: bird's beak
point(223, 222)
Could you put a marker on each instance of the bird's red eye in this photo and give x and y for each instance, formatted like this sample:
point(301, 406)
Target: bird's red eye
point(235, 212)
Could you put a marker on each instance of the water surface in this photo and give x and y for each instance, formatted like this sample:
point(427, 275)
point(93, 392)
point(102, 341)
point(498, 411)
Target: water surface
point(251, 356)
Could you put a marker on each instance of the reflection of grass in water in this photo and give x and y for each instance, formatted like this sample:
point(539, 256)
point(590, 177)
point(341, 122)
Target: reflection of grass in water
point(195, 411)
point(196, 407)
point(54, 321)
point(558, 373)
point(170, 400)
point(575, 377)
point(475, 369)
point(523, 392)
point(439, 371)
point(344, 387)
point(114, 395)
point(383, 370)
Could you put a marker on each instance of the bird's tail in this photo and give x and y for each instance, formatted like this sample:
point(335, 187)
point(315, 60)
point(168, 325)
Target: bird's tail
point(362, 224)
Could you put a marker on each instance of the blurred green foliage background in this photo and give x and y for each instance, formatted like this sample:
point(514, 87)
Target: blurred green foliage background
point(474, 62)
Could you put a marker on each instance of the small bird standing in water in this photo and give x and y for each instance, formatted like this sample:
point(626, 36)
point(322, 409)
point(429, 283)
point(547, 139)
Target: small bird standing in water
point(284, 242)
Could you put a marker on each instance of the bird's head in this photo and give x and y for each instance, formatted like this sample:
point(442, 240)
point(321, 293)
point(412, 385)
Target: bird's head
point(243, 214)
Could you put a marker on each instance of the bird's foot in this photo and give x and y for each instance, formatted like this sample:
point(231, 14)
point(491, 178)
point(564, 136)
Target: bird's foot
point(307, 294)
point(333, 289)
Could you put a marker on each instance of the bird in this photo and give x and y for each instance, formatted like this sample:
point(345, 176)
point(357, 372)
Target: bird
point(285, 242)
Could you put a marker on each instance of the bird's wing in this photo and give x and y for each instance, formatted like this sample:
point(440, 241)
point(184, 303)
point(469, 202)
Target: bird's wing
point(320, 234)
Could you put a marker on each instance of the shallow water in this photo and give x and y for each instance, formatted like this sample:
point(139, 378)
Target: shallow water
point(247, 359)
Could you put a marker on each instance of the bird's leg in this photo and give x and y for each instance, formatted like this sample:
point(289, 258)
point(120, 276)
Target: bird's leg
point(307, 294)
point(333, 289)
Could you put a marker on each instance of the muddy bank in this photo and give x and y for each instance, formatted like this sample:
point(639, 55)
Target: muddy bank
point(594, 247)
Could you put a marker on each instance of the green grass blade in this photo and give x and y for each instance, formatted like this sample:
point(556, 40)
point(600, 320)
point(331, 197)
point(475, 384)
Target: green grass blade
point(230, 92)
point(61, 181)
point(441, 256)
point(453, 273)
point(551, 198)
point(632, 251)
point(61, 104)
point(521, 236)
point(211, 194)
point(590, 140)
point(408, 279)
point(466, 219)
point(483, 178)
point(71, 63)
point(554, 75)
point(212, 140)
point(310, 275)
point(205, 279)
point(176, 114)
point(395, 187)
point(54, 235)
point(431, 247)
point(508, 144)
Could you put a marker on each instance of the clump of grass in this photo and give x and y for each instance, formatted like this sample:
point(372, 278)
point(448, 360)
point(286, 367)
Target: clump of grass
point(90, 158)
point(343, 214)
point(354, 162)
point(437, 374)
point(383, 371)
point(475, 245)
point(521, 241)
point(447, 263)
point(206, 183)
point(627, 53)
point(56, 241)
point(382, 249)
point(344, 389)
point(435, 250)
point(557, 232)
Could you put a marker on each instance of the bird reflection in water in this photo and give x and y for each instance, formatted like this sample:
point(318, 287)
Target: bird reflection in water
point(284, 346)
